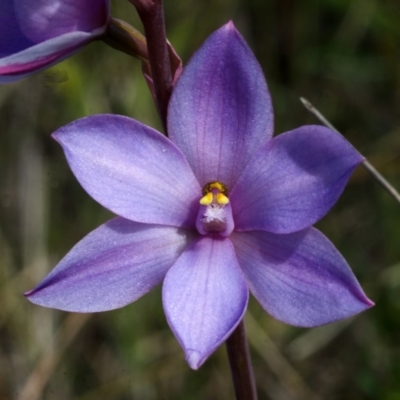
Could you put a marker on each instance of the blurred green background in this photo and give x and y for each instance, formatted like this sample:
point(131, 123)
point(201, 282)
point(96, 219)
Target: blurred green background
point(343, 55)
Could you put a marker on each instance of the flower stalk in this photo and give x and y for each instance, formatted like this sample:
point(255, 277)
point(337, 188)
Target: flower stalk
point(152, 16)
point(240, 363)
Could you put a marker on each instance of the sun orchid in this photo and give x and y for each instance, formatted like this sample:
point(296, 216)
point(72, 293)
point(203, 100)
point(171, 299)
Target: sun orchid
point(35, 34)
point(216, 210)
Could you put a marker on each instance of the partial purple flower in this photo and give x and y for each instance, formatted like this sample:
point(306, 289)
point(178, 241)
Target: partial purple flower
point(219, 208)
point(35, 34)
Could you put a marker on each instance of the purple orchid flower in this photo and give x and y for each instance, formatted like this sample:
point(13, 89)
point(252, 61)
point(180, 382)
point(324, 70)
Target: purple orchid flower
point(35, 34)
point(219, 208)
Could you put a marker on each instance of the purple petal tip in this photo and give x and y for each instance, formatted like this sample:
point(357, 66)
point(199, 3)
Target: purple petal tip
point(194, 359)
point(230, 25)
point(230, 28)
point(369, 302)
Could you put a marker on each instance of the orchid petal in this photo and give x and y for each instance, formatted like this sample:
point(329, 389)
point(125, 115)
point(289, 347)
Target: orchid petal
point(43, 55)
point(131, 169)
point(293, 180)
point(12, 39)
point(204, 297)
point(35, 34)
point(299, 278)
point(220, 110)
point(112, 266)
point(41, 20)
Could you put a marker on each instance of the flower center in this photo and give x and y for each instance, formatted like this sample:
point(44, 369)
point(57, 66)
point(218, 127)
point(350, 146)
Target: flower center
point(215, 212)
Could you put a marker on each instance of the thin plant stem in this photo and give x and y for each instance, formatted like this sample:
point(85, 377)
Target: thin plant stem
point(240, 363)
point(367, 165)
point(151, 14)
